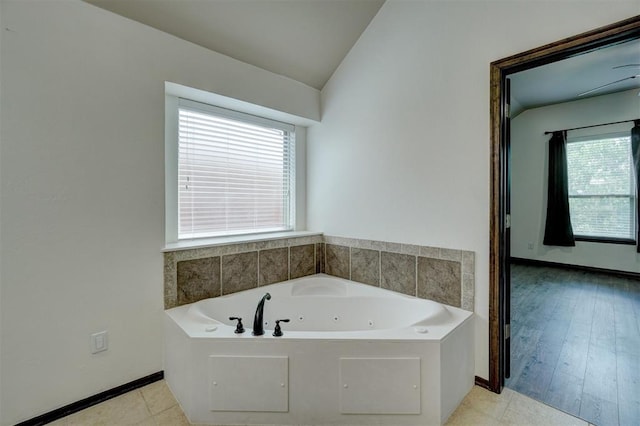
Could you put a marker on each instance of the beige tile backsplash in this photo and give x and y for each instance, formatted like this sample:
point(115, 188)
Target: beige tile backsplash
point(365, 266)
point(200, 279)
point(274, 265)
point(239, 272)
point(337, 260)
point(239, 267)
point(301, 260)
point(440, 280)
point(442, 274)
point(398, 272)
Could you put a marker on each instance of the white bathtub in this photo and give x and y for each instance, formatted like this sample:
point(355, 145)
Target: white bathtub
point(352, 354)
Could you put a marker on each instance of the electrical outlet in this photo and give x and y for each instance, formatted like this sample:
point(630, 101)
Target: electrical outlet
point(530, 245)
point(99, 342)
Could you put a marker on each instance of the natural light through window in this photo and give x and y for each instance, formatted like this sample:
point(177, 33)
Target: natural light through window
point(602, 187)
point(234, 173)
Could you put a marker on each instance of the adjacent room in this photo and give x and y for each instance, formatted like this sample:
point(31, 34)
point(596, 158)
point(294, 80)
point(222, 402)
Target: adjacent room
point(575, 302)
point(372, 120)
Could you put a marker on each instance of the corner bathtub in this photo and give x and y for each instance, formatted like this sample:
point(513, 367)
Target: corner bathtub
point(352, 354)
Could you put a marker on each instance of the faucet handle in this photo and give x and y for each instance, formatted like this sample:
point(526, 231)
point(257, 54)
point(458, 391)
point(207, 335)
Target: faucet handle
point(277, 332)
point(239, 326)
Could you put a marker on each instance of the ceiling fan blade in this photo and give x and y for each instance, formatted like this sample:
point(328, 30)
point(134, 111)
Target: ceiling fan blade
point(608, 84)
point(627, 66)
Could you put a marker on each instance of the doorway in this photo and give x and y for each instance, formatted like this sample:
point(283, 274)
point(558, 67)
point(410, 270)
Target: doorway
point(499, 288)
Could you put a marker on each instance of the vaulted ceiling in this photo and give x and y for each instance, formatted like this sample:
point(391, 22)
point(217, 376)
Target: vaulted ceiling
point(307, 39)
point(301, 39)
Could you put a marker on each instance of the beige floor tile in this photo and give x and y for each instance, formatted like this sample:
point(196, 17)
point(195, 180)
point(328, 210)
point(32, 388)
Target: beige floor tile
point(59, 422)
point(480, 407)
point(466, 415)
point(487, 402)
point(127, 409)
point(158, 397)
point(523, 410)
point(171, 417)
point(149, 421)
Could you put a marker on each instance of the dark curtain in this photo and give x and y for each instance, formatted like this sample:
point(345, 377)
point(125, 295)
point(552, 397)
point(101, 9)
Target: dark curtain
point(558, 230)
point(635, 151)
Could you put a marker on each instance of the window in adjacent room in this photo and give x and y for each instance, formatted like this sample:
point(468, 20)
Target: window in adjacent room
point(602, 188)
point(235, 172)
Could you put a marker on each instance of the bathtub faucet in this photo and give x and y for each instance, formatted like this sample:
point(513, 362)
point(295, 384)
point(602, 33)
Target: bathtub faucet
point(258, 326)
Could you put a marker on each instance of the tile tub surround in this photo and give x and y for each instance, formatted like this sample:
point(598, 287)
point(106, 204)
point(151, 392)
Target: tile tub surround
point(274, 265)
point(365, 266)
point(439, 280)
point(239, 272)
point(398, 272)
point(301, 260)
point(337, 261)
point(320, 256)
point(441, 274)
point(201, 278)
point(194, 274)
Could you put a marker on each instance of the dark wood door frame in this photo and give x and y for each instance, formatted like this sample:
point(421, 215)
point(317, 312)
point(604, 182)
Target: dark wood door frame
point(618, 32)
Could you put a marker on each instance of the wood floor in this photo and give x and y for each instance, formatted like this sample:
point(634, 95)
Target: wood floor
point(575, 342)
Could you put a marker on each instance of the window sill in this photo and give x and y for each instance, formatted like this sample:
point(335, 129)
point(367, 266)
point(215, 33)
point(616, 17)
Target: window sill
point(606, 240)
point(223, 241)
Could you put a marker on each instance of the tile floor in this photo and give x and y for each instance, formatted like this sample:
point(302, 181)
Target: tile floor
point(482, 407)
point(154, 405)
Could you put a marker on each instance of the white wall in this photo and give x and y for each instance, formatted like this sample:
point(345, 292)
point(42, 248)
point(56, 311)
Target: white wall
point(82, 192)
point(529, 160)
point(402, 153)
point(1, 96)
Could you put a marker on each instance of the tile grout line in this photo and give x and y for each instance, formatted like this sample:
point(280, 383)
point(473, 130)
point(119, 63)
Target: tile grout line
point(146, 403)
point(289, 262)
point(220, 272)
point(258, 269)
point(380, 268)
point(416, 276)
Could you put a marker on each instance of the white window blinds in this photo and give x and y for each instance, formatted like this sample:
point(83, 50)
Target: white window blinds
point(235, 172)
point(602, 187)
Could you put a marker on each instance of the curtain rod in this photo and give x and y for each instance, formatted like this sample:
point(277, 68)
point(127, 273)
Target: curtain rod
point(586, 127)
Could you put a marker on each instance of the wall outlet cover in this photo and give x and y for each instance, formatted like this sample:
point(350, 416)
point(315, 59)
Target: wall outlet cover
point(99, 342)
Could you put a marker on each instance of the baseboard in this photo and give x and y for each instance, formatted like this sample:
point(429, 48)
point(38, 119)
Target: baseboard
point(536, 262)
point(92, 400)
point(483, 383)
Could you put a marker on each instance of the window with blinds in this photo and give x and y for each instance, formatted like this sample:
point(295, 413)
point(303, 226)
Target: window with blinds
point(602, 187)
point(235, 172)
